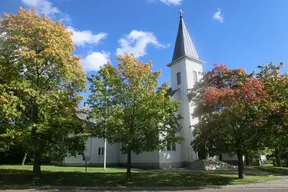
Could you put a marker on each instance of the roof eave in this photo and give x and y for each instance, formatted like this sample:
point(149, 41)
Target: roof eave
point(189, 57)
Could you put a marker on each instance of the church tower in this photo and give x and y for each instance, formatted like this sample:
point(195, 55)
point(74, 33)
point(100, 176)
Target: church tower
point(186, 70)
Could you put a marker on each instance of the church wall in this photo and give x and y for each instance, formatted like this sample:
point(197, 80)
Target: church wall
point(111, 152)
point(143, 160)
point(179, 66)
point(192, 66)
point(186, 67)
point(171, 159)
point(91, 151)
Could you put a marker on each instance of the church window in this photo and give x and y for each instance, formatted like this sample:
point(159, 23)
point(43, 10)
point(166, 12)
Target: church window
point(178, 78)
point(171, 146)
point(174, 147)
point(195, 79)
point(121, 147)
point(168, 147)
point(100, 151)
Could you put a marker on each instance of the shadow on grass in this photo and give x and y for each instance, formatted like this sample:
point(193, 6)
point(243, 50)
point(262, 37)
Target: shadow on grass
point(23, 179)
point(279, 171)
point(249, 171)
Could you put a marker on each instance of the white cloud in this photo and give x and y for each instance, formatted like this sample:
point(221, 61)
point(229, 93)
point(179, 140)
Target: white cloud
point(80, 38)
point(47, 8)
point(218, 16)
point(95, 60)
point(42, 6)
point(172, 2)
point(83, 38)
point(92, 61)
point(136, 42)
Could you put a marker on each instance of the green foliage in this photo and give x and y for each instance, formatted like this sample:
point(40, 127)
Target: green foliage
point(242, 113)
point(228, 104)
point(39, 85)
point(276, 104)
point(128, 107)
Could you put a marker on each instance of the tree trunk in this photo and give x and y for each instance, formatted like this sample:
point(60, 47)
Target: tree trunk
point(277, 157)
point(129, 165)
point(247, 160)
point(37, 154)
point(240, 165)
point(37, 164)
point(24, 159)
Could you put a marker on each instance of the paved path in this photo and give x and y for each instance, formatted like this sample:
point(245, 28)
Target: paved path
point(280, 185)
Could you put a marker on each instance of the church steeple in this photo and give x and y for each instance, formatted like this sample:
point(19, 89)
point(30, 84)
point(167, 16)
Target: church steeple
point(184, 45)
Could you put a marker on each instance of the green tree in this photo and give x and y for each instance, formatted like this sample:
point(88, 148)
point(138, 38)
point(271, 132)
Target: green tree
point(276, 103)
point(39, 84)
point(135, 111)
point(229, 110)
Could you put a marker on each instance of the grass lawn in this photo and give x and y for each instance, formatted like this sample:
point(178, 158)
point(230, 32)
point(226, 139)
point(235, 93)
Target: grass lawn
point(273, 170)
point(18, 176)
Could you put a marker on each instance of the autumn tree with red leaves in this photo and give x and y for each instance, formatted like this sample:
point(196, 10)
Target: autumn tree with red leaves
point(228, 105)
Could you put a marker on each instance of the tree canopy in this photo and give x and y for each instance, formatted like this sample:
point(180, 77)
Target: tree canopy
point(129, 107)
point(39, 84)
point(229, 106)
point(276, 104)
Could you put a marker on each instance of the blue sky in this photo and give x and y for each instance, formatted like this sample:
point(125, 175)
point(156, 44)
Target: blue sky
point(238, 33)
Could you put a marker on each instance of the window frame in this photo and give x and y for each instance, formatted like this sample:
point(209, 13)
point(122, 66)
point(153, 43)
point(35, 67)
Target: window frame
point(100, 151)
point(171, 146)
point(195, 76)
point(178, 77)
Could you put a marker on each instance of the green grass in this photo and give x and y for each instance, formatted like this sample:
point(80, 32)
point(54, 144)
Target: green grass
point(273, 170)
point(15, 176)
point(51, 168)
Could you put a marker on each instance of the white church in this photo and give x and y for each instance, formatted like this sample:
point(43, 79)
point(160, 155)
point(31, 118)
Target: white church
point(186, 69)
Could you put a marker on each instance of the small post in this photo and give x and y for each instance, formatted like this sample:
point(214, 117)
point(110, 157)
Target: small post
point(105, 154)
point(86, 167)
point(105, 142)
point(85, 159)
point(24, 159)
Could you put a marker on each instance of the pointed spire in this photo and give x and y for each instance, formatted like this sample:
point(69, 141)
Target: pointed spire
point(184, 44)
point(181, 13)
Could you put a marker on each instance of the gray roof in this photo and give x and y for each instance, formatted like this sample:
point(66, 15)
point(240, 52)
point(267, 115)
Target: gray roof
point(184, 44)
point(174, 92)
point(170, 92)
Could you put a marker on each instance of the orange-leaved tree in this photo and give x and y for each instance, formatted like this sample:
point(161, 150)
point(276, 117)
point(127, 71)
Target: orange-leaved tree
point(228, 106)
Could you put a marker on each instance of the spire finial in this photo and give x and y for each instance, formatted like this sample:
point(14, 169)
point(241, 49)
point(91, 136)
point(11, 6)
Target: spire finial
point(181, 13)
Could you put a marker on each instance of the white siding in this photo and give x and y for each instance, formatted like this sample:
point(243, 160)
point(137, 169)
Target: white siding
point(169, 159)
point(146, 157)
point(185, 66)
point(91, 150)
